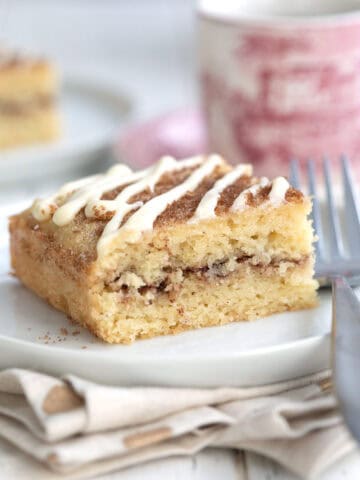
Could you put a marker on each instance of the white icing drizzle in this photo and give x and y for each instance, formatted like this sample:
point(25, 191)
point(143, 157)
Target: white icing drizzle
point(207, 205)
point(86, 193)
point(120, 206)
point(83, 190)
point(279, 187)
point(241, 201)
point(144, 218)
point(278, 191)
point(92, 192)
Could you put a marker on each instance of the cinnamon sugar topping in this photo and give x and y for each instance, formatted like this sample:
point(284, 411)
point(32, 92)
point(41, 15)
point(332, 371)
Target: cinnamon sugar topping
point(190, 190)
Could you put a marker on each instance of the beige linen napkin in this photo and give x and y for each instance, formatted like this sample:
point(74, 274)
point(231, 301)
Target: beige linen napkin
point(78, 428)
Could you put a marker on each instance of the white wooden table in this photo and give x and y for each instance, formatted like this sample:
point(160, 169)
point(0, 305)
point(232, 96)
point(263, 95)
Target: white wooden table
point(211, 464)
point(146, 49)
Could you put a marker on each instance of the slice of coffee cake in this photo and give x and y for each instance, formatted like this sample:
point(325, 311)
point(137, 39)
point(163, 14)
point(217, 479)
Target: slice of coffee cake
point(28, 112)
point(181, 245)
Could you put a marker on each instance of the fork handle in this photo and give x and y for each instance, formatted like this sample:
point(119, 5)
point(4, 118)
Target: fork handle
point(346, 352)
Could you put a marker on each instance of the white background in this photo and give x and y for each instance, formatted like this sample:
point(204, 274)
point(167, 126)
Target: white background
point(144, 47)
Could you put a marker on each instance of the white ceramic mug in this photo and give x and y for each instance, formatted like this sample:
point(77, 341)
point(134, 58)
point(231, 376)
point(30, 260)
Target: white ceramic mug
point(280, 79)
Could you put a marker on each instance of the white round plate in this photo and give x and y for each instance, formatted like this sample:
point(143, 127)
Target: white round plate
point(91, 117)
point(268, 350)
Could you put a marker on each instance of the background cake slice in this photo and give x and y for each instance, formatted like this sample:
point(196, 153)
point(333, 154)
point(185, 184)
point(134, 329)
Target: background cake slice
point(178, 246)
point(28, 91)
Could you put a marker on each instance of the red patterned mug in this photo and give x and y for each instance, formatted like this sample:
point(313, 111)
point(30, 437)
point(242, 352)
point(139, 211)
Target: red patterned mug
point(280, 79)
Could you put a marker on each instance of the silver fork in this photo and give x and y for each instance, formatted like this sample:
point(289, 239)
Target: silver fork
point(339, 264)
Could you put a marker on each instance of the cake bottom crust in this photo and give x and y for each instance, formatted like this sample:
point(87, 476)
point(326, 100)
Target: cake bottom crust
point(243, 295)
point(37, 126)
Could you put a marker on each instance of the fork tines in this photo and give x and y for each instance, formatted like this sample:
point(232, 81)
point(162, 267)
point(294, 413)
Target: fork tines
point(337, 248)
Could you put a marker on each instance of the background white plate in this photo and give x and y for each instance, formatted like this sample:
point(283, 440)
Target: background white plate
point(267, 350)
point(91, 114)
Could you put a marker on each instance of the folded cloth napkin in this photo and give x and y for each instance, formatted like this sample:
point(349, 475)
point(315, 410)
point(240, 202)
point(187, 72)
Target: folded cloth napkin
point(80, 429)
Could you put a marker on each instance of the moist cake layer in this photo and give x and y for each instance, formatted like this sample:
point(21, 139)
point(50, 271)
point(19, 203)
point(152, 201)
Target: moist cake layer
point(84, 229)
point(179, 245)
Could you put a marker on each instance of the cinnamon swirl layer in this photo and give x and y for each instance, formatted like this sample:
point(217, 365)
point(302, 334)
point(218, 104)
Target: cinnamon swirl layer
point(15, 108)
point(128, 284)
